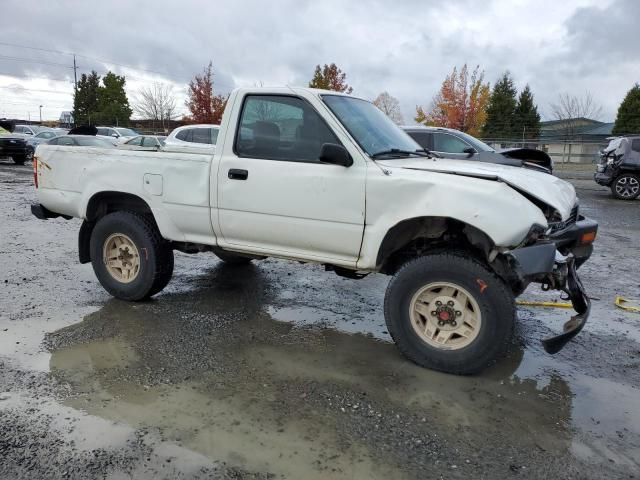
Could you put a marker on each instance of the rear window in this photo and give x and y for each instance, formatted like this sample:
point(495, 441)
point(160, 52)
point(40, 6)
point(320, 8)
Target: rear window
point(201, 135)
point(185, 135)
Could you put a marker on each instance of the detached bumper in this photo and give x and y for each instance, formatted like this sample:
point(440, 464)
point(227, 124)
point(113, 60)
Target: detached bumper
point(544, 263)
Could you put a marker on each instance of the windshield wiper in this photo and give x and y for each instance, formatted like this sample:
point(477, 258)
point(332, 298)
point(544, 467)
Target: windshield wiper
point(401, 153)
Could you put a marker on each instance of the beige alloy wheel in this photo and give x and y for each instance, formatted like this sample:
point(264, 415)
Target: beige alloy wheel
point(445, 316)
point(121, 258)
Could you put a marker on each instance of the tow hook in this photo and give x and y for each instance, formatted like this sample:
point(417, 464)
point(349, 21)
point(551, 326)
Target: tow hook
point(579, 299)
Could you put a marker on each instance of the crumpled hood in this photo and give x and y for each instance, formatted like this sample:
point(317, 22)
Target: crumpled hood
point(547, 188)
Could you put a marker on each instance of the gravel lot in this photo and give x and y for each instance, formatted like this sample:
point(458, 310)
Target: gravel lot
point(280, 370)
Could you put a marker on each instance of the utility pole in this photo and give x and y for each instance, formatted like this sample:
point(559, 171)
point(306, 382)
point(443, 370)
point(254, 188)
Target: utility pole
point(41, 113)
point(75, 75)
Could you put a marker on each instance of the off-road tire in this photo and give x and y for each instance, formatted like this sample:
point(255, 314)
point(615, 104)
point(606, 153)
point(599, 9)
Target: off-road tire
point(155, 253)
point(628, 177)
point(493, 296)
point(231, 258)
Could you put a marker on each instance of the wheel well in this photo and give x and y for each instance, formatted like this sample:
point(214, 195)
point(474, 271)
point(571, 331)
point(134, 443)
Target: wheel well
point(100, 205)
point(107, 202)
point(417, 236)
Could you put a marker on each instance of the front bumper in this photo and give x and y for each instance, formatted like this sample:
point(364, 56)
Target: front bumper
point(604, 178)
point(554, 265)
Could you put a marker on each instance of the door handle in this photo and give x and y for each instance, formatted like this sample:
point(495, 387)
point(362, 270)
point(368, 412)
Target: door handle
point(237, 174)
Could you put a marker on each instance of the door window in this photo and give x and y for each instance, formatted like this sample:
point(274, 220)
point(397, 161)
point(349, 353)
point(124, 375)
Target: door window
point(185, 135)
point(65, 141)
point(444, 142)
point(201, 135)
point(135, 142)
point(424, 139)
point(149, 142)
point(281, 128)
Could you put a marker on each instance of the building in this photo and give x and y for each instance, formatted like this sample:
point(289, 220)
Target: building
point(575, 140)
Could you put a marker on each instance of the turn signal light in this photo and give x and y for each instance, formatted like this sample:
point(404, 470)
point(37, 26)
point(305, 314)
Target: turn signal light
point(35, 170)
point(587, 238)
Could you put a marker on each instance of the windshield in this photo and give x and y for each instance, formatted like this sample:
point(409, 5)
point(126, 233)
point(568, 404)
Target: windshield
point(126, 132)
point(475, 143)
point(371, 128)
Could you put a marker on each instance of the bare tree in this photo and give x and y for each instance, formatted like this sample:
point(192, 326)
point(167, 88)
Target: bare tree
point(156, 102)
point(390, 106)
point(571, 110)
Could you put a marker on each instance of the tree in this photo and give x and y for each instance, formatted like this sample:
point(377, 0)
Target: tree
point(330, 77)
point(461, 102)
point(570, 110)
point(628, 117)
point(156, 102)
point(205, 107)
point(113, 104)
point(526, 117)
point(501, 109)
point(390, 106)
point(85, 99)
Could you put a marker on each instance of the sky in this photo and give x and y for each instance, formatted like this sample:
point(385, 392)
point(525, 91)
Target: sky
point(405, 47)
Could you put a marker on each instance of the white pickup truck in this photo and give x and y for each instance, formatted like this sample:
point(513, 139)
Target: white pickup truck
point(317, 176)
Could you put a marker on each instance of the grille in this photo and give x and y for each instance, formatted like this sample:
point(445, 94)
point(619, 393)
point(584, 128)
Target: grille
point(573, 218)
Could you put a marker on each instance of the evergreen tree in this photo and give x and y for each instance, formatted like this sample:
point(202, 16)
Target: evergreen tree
point(501, 109)
point(85, 100)
point(526, 120)
point(628, 117)
point(113, 104)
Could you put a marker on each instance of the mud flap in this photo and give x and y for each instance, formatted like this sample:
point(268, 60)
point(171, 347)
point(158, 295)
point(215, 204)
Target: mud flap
point(581, 304)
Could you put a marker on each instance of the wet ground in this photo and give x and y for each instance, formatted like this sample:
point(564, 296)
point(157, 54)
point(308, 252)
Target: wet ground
point(280, 370)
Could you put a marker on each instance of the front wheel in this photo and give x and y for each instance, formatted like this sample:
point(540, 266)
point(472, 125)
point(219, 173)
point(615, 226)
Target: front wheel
point(450, 313)
point(130, 258)
point(626, 186)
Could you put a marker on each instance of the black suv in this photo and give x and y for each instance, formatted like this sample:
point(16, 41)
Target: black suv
point(449, 143)
point(619, 167)
point(14, 145)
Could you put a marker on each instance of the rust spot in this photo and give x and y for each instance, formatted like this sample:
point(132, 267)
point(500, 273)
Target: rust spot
point(482, 284)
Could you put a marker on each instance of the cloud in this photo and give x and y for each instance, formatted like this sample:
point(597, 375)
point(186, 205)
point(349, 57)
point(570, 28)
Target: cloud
point(403, 47)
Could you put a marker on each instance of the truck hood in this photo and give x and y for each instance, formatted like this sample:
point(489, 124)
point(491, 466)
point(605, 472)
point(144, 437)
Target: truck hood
point(544, 187)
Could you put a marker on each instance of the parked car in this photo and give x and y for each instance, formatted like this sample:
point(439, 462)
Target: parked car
point(619, 167)
point(14, 145)
point(450, 143)
point(327, 178)
point(30, 130)
point(121, 134)
point(144, 142)
point(43, 136)
point(196, 137)
point(80, 141)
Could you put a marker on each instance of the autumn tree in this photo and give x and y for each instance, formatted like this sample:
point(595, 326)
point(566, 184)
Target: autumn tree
point(461, 102)
point(330, 77)
point(156, 102)
point(390, 106)
point(526, 122)
point(628, 117)
point(203, 104)
point(501, 109)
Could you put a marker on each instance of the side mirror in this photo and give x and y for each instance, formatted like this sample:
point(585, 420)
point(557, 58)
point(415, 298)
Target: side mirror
point(335, 155)
point(470, 151)
point(115, 135)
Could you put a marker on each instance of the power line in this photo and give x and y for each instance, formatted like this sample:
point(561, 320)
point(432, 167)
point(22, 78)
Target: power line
point(33, 60)
point(22, 89)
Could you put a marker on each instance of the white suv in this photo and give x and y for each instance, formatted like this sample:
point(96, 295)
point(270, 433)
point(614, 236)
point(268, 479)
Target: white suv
point(193, 136)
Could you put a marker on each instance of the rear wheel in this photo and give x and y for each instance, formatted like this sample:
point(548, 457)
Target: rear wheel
point(626, 186)
point(129, 257)
point(450, 313)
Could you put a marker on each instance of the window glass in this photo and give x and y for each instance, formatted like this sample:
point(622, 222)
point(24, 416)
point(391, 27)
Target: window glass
point(103, 131)
point(93, 142)
point(149, 142)
point(137, 141)
point(443, 142)
point(185, 135)
point(53, 141)
point(635, 145)
point(214, 135)
point(281, 128)
point(201, 135)
point(18, 129)
point(423, 138)
point(65, 141)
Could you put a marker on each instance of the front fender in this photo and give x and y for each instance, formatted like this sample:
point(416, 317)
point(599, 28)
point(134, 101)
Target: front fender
point(492, 207)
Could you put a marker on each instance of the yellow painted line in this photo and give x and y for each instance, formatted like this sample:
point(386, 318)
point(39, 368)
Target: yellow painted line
point(620, 303)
